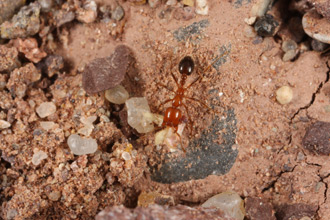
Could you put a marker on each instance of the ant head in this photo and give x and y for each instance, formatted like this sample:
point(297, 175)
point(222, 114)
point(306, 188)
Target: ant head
point(186, 65)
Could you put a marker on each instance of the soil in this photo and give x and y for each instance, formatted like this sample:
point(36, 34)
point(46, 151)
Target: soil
point(245, 141)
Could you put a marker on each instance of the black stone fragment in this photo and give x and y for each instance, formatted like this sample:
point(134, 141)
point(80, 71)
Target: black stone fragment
point(105, 73)
point(259, 209)
point(317, 138)
point(295, 211)
point(204, 156)
point(266, 25)
point(184, 33)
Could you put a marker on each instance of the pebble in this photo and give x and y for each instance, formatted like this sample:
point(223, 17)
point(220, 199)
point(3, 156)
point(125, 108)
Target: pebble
point(288, 45)
point(284, 95)
point(317, 138)
point(81, 146)
point(318, 46)
point(38, 157)
point(316, 27)
point(29, 47)
point(52, 64)
point(188, 3)
point(46, 5)
point(54, 196)
point(146, 199)
point(265, 26)
point(154, 3)
point(47, 125)
point(259, 209)
point(88, 12)
point(8, 9)
point(105, 73)
point(63, 16)
point(202, 7)
point(24, 24)
point(290, 55)
point(229, 202)
point(4, 124)
point(8, 58)
point(260, 8)
point(296, 211)
point(139, 116)
point(46, 109)
point(117, 95)
point(118, 13)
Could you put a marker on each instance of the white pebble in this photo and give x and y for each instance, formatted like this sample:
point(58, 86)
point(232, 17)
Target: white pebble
point(284, 95)
point(38, 157)
point(81, 146)
point(229, 202)
point(139, 116)
point(4, 124)
point(117, 95)
point(47, 125)
point(45, 109)
point(126, 156)
point(202, 7)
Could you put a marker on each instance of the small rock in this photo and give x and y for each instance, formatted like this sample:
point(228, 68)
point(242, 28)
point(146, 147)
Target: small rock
point(88, 12)
point(259, 209)
point(46, 109)
point(228, 202)
point(54, 196)
point(118, 13)
point(8, 9)
point(288, 45)
point(284, 95)
point(319, 46)
point(8, 58)
point(316, 26)
point(317, 138)
point(296, 211)
point(260, 8)
point(63, 17)
point(106, 73)
point(4, 124)
point(81, 146)
point(148, 198)
point(38, 157)
point(202, 7)
point(29, 47)
point(46, 5)
point(184, 13)
point(24, 24)
point(21, 78)
point(52, 64)
point(47, 125)
point(154, 3)
point(290, 55)
point(266, 25)
point(139, 116)
point(138, 2)
point(117, 95)
point(3, 81)
point(188, 3)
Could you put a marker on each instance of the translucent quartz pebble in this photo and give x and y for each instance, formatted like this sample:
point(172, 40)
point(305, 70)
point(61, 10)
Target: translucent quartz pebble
point(47, 125)
point(45, 109)
point(117, 95)
point(81, 146)
point(4, 124)
point(229, 202)
point(139, 116)
point(38, 157)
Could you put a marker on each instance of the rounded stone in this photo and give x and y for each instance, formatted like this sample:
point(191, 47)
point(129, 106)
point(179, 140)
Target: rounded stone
point(46, 109)
point(316, 26)
point(284, 95)
point(38, 157)
point(117, 95)
point(81, 146)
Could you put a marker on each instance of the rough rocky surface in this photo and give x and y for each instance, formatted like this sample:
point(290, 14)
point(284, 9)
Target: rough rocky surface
point(317, 138)
point(259, 209)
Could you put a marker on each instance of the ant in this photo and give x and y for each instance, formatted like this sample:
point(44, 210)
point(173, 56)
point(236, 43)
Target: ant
point(173, 116)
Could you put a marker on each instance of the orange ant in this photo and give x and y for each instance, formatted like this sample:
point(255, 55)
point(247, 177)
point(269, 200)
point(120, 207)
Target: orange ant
point(173, 115)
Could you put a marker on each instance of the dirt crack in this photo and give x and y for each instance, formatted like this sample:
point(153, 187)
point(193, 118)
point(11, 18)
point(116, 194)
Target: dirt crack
point(314, 94)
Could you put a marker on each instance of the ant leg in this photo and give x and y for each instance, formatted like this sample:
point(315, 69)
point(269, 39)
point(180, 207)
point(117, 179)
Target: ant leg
point(165, 87)
point(182, 147)
point(200, 102)
point(175, 79)
point(197, 79)
point(163, 103)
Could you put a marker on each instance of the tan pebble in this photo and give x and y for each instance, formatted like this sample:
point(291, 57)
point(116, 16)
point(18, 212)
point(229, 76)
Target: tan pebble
point(4, 124)
point(284, 95)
